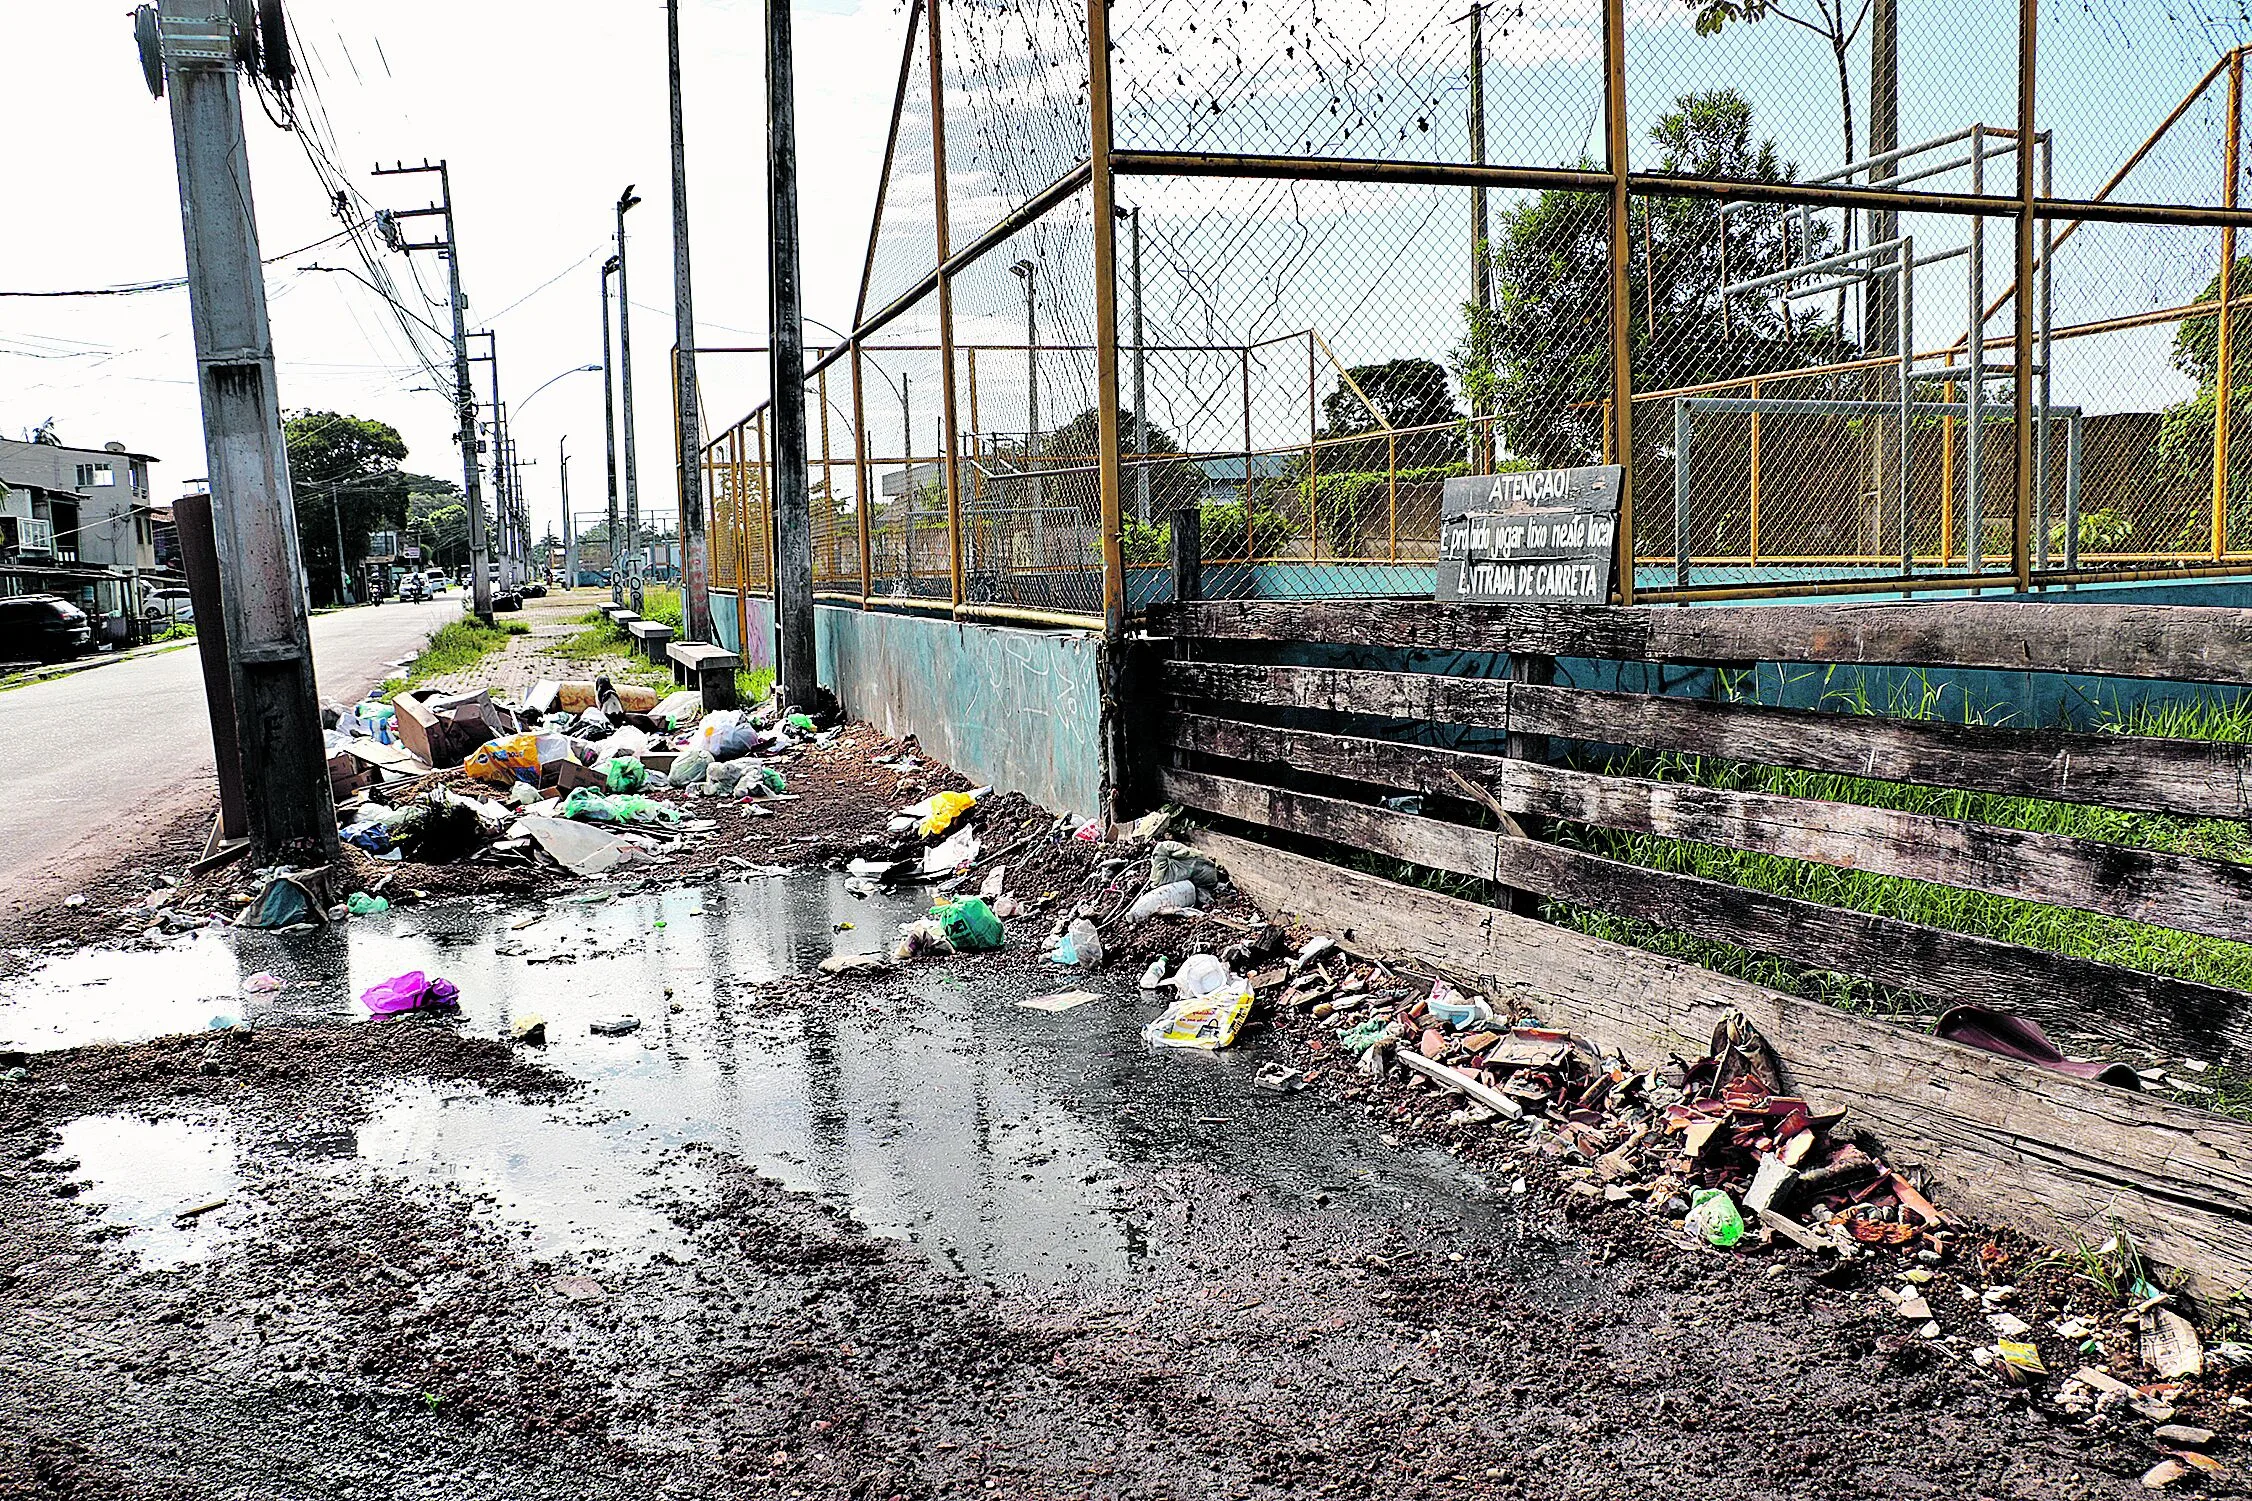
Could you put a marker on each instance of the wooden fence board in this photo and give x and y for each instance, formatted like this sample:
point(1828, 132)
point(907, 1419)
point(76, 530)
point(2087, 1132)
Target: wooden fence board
point(2074, 998)
point(2194, 778)
point(2051, 1155)
point(2191, 643)
point(2185, 892)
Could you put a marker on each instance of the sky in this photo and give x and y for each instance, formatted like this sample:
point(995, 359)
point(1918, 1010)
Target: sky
point(545, 111)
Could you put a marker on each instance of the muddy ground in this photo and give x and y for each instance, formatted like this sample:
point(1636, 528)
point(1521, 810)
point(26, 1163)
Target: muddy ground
point(1262, 1296)
point(888, 1235)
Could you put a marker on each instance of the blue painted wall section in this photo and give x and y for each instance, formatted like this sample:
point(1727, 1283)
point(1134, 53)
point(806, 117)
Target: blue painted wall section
point(761, 653)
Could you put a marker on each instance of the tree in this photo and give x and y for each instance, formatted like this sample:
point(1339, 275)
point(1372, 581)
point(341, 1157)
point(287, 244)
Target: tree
point(2185, 432)
point(1540, 356)
point(344, 473)
point(1072, 448)
point(1406, 394)
point(1836, 22)
point(438, 519)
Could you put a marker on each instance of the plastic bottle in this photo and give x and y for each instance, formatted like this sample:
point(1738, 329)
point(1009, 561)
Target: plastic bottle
point(1199, 975)
point(1714, 1216)
point(1086, 943)
point(1154, 976)
point(1173, 895)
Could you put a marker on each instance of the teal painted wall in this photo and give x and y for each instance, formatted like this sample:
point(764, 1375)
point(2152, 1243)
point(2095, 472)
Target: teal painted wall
point(1020, 709)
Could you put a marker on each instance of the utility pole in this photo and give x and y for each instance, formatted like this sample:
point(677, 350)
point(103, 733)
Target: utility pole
point(570, 544)
point(695, 572)
point(190, 55)
point(793, 501)
point(336, 515)
point(610, 437)
point(499, 446)
point(465, 398)
point(627, 200)
point(1481, 281)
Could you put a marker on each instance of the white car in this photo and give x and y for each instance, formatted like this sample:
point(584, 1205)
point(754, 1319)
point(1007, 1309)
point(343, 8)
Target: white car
point(436, 579)
point(169, 606)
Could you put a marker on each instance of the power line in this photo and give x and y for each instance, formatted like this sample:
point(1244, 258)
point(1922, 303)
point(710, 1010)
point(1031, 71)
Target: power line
point(171, 283)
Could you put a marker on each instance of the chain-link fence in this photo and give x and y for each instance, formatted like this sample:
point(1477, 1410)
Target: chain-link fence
point(1881, 325)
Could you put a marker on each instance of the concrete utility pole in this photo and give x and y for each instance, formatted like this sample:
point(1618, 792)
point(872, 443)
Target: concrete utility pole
point(627, 200)
point(793, 500)
point(610, 438)
point(465, 397)
point(336, 515)
point(290, 814)
point(695, 568)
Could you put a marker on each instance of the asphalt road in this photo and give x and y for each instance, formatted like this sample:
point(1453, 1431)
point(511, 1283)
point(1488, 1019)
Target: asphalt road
point(92, 764)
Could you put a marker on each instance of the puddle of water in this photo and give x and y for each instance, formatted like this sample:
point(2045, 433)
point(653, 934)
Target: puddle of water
point(994, 1137)
point(142, 1173)
point(125, 995)
point(577, 1185)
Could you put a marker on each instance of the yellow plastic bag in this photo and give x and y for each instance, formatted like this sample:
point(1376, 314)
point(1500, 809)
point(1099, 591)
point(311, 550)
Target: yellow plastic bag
point(1207, 1022)
point(515, 758)
point(945, 808)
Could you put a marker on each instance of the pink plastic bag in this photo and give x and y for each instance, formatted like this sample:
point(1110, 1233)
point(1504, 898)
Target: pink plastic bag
point(412, 991)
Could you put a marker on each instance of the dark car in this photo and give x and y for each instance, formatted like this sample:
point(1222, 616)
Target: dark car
point(43, 627)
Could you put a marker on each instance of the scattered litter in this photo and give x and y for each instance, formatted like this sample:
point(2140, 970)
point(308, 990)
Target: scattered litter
point(263, 984)
point(2169, 1346)
point(614, 1026)
point(1714, 1218)
point(969, 924)
point(361, 904)
point(529, 1029)
point(412, 991)
point(944, 809)
point(1279, 1079)
point(579, 1289)
point(854, 964)
point(1208, 1022)
point(1062, 1000)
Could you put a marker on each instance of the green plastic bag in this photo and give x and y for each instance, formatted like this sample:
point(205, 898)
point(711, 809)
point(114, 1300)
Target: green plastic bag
point(772, 779)
point(360, 904)
point(624, 774)
point(969, 924)
point(800, 722)
point(590, 806)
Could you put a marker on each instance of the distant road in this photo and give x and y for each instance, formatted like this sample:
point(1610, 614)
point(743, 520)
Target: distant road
point(94, 763)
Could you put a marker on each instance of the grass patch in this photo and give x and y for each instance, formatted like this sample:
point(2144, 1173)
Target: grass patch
point(454, 647)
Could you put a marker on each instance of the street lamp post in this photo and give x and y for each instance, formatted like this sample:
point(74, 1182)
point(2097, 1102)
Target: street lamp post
point(627, 200)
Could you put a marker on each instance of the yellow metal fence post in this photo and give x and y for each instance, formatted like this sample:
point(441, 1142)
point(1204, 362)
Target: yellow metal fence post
point(860, 469)
point(1105, 187)
point(2021, 354)
point(2224, 374)
point(1622, 296)
point(1755, 469)
point(952, 457)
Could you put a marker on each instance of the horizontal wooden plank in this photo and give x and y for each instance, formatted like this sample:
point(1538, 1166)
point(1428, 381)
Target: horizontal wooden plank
point(2194, 778)
point(2184, 892)
point(2192, 643)
point(2137, 1014)
point(2005, 1141)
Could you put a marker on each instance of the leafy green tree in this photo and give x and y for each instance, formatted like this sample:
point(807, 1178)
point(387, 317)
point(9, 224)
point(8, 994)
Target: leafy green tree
point(2184, 456)
point(438, 520)
point(1540, 357)
point(1406, 394)
point(1071, 449)
point(344, 473)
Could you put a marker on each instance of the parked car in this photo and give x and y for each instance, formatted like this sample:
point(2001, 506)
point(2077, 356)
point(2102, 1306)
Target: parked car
point(435, 579)
point(43, 627)
point(168, 607)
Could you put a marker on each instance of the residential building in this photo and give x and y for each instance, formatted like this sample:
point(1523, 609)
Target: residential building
point(79, 523)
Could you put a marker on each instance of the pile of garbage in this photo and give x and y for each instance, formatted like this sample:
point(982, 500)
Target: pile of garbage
point(589, 776)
